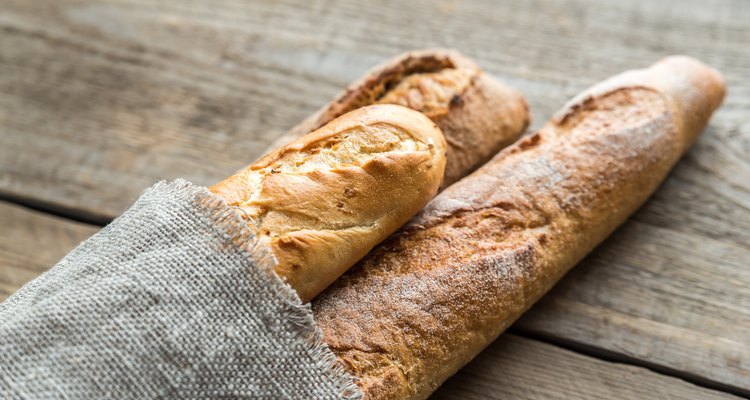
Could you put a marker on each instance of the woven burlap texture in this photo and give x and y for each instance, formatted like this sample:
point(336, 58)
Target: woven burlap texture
point(170, 300)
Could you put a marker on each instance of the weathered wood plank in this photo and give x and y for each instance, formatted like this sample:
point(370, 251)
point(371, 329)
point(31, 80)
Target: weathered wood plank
point(658, 294)
point(517, 368)
point(31, 242)
point(136, 91)
point(512, 367)
point(100, 99)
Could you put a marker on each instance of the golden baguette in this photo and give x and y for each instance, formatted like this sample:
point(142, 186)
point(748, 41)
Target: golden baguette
point(430, 298)
point(479, 116)
point(323, 201)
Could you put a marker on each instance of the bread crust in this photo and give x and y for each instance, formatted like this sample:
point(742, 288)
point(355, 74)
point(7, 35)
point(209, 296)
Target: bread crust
point(480, 117)
point(431, 297)
point(323, 201)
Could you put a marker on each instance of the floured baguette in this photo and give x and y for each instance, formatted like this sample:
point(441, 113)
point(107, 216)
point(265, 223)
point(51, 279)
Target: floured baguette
point(431, 297)
point(477, 114)
point(323, 201)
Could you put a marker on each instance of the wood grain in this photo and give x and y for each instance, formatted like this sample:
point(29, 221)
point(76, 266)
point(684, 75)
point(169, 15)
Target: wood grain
point(518, 368)
point(31, 242)
point(100, 99)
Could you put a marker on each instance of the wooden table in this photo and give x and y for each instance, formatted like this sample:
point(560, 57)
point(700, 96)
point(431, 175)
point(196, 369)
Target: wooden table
point(99, 99)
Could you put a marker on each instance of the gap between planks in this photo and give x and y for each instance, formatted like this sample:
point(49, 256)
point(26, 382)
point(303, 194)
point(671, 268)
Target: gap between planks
point(611, 356)
point(56, 210)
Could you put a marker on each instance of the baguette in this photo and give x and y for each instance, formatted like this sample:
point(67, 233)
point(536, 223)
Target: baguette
point(322, 202)
point(477, 114)
point(430, 298)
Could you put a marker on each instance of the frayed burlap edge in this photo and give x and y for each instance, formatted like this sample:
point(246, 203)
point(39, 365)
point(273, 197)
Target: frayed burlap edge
point(228, 221)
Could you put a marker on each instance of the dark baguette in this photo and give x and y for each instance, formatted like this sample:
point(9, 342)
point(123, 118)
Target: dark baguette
point(430, 298)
